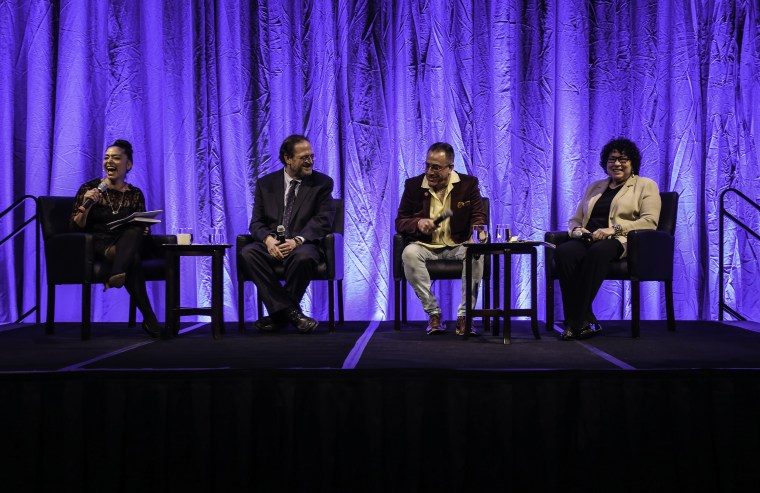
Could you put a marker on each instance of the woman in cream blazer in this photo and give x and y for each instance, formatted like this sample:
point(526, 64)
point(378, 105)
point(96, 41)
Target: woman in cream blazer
point(610, 208)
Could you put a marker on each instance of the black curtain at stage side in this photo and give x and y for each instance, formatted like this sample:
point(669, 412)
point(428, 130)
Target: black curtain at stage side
point(380, 431)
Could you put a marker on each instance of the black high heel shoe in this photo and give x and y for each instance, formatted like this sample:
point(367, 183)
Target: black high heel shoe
point(115, 281)
point(153, 329)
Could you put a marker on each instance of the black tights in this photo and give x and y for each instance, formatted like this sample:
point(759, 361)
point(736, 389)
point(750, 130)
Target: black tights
point(129, 243)
point(582, 267)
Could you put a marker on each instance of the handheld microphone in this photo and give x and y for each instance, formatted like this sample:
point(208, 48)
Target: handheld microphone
point(101, 188)
point(281, 233)
point(577, 233)
point(446, 214)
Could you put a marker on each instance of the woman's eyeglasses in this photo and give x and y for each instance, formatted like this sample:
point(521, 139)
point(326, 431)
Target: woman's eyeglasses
point(620, 159)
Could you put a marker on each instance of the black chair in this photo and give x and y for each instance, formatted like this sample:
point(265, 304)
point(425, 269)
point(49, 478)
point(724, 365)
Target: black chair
point(70, 259)
point(650, 258)
point(438, 269)
point(330, 270)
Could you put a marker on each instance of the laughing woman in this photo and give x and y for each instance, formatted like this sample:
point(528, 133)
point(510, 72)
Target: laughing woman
point(101, 201)
point(610, 208)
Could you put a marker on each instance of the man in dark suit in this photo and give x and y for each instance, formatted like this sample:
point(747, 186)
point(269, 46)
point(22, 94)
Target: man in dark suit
point(297, 201)
point(425, 198)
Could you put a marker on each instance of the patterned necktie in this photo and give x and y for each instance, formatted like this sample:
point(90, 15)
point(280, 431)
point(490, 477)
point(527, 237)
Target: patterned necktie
point(289, 201)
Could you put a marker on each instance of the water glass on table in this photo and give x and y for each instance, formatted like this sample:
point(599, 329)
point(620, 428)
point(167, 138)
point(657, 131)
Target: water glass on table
point(480, 233)
point(503, 233)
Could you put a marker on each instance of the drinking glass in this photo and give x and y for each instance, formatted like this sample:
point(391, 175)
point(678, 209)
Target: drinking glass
point(216, 237)
point(184, 236)
point(480, 233)
point(502, 233)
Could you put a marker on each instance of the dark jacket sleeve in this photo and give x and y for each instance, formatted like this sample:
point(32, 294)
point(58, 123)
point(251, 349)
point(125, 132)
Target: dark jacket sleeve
point(411, 209)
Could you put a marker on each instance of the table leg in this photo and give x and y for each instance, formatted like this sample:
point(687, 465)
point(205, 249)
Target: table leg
point(507, 307)
point(534, 294)
point(496, 290)
point(217, 311)
point(171, 302)
point(467, 293)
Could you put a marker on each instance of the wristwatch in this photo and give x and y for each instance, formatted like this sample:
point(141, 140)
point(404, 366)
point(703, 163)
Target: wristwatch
point(618, 230)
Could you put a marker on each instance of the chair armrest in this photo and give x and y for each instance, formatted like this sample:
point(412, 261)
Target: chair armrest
point(555, 238)
point(399, 242)
point(650, 255)
point(333, 248)
point(69, 258)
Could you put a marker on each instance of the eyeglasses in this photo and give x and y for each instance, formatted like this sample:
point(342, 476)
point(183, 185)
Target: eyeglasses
point(306, 159)
point(436, 168)
point(621, 159)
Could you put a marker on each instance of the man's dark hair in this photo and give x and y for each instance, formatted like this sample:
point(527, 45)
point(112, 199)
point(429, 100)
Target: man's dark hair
point(625, 147)
point(287, 149)
point(446, 148)
point(125, 146)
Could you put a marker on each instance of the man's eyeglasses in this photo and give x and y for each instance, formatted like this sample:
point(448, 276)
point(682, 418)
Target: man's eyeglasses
point(436, 168)
point(309, 158)
point(620, 159)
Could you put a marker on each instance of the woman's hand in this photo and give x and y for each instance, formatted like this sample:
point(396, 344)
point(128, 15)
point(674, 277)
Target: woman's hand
point(602, 234)
point(92, 194)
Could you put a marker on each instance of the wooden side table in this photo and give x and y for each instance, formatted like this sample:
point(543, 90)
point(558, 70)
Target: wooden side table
point(173, 309)
point(506, 311)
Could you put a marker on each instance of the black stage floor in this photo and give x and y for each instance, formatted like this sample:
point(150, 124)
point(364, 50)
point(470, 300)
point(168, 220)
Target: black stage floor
point(368, 346)
point(368, 409)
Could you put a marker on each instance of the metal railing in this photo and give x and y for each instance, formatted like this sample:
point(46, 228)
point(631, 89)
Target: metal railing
point(13, 234)
point(722, 307)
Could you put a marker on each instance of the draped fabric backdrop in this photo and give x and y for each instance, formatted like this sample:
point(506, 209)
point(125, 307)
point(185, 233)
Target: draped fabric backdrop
point(527, 92)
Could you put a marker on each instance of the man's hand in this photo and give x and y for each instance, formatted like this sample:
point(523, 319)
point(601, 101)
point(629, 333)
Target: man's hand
point(287, 247)
point(273, 247)
point(426, 226)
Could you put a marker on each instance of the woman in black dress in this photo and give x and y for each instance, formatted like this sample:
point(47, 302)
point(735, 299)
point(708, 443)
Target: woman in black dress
point(101, 201)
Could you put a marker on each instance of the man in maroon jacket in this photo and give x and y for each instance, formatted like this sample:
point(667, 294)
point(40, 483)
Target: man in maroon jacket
point(425, 199)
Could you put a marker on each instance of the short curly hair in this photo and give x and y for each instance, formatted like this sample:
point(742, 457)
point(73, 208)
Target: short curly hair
point(288, 147)
point(623, 146)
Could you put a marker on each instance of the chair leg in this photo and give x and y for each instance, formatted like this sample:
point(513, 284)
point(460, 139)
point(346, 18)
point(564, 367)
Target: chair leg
point(549, 303)
point(340, 301)
point(86, 302)
point(331, 304)
point(50, 319)
point(397, 306)
point(403, 301)
point(259, 305)
point(635, 308)
point(669, 308)
point(241, 304)
point(132, 312)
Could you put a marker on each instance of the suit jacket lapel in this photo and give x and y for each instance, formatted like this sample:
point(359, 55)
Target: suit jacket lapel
point(304, 190)
point(279, 194)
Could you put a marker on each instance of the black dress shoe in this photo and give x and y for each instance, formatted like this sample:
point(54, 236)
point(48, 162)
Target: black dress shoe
point(301, 322)
point(569, 334)
point(589, 330)
point(267, 324)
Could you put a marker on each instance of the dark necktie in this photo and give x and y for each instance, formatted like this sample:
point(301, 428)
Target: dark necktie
point(289, 201)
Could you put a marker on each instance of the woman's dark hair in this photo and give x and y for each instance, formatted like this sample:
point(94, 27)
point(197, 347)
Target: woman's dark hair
point(125, 146)
point(623, 146)
point(287, 149)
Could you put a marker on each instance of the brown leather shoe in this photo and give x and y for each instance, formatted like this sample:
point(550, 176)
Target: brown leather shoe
point(460, 327)
point(435, 325)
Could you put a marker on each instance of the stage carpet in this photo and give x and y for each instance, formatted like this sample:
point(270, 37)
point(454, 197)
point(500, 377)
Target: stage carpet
point(366, 408)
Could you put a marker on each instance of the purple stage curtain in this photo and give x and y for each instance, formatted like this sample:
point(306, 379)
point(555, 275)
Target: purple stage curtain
point(527, 93)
